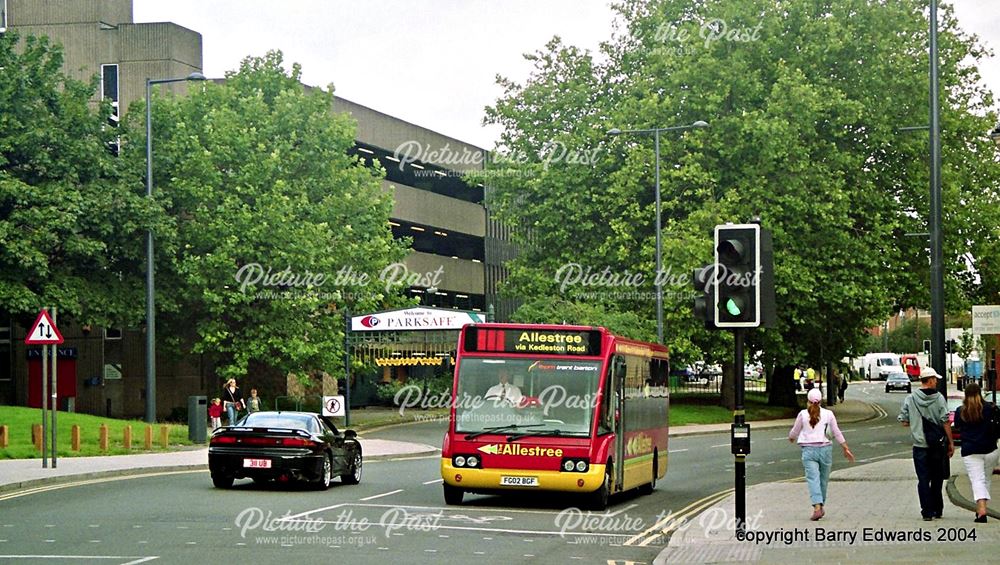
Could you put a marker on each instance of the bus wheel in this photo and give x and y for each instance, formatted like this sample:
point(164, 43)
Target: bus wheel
point(452, 495)
point(599, 498)
point(649, 487)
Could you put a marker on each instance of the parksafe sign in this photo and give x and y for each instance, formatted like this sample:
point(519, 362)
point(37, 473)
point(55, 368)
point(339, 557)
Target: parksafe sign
point(986, 320)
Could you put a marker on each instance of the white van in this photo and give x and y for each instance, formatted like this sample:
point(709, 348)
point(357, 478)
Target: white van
point(879, 365)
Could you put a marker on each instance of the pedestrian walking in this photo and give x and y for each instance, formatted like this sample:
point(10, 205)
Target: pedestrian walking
point(215, 413)
point(925, 412)
point(813, 430)
point(842, 390)
point(979, 444)
point(232, 400)
point(253, 403)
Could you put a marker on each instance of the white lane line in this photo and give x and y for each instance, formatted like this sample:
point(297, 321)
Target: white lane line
point(720, 445)
point(871, 428)
point(427, 483)
point(669, 451)
point(772, 439)
point(373, 497)
point(629, 507)
point(139, 559)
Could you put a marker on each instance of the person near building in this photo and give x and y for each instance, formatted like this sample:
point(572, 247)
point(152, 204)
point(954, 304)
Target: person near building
point(925, 412)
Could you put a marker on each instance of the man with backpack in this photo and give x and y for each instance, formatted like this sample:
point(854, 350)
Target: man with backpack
point(925, 412)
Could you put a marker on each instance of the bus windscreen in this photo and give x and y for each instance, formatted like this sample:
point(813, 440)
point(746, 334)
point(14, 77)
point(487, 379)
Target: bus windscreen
point(546, 396)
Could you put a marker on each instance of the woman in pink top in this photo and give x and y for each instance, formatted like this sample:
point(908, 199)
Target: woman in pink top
point(813, 428)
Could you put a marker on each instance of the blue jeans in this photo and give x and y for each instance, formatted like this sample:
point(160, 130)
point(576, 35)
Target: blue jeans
point(231, 413)
point(817, 462)
point(932, 469)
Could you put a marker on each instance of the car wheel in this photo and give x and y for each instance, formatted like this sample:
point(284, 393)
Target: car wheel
point(354, 476)
point(599, 498)
point(887, 390)
point(222, 481)
point(327, 478)
point(453, 495)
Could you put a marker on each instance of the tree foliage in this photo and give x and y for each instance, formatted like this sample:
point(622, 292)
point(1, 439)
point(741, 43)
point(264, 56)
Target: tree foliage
point(264, 207)
point(69, 228)
point(805, 102)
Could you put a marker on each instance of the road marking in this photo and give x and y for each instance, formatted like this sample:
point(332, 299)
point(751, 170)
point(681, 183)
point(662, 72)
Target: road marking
point(135, 561)
point(720, 445)
point(367, 498)
point(671, 517)
point(883, 456)
point(38, 490)
point(434, 481)
point(629, 507)
point(676, 450)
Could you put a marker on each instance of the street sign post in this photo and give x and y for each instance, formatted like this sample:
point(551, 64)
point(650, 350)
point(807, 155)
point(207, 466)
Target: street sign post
point(45, 333)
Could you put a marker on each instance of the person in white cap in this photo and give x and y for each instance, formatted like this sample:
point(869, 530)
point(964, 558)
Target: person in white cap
point(813, 429)
point(925, 412)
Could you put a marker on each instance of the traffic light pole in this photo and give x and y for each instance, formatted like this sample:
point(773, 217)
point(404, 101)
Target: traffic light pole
point(739, 421)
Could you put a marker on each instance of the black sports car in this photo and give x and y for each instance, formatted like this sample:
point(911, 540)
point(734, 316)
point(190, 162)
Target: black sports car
point(284, 445)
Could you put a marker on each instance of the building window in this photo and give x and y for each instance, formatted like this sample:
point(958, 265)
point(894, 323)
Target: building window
point(109, 91)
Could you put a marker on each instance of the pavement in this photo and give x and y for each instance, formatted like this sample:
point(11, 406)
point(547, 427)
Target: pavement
point(872, 516)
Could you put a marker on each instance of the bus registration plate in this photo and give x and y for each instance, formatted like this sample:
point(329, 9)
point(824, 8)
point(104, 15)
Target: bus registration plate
point(518, 481)
point(257, 463)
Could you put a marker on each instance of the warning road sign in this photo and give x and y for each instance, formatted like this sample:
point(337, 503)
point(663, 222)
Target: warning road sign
point(43, 331)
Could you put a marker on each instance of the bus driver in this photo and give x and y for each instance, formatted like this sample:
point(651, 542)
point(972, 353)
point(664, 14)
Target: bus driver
point(504, 391)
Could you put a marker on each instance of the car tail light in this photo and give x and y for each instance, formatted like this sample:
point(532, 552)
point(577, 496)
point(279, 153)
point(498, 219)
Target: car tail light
point(222, 439)
point(297, 442)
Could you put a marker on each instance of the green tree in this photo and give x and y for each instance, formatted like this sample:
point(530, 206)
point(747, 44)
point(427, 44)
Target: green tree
point(68, 226)
point(264, 208)
point(805, 101)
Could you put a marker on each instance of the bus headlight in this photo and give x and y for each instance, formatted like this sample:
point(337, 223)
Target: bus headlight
point(472, 461)
point(568, 465)
point(577, 465)
point(460, 461)
point(581, 466)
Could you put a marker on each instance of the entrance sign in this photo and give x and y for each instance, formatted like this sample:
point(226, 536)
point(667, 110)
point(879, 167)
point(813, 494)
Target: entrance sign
point(415, 319)
point(986, 320)
point(333, 405)
point(43, 331)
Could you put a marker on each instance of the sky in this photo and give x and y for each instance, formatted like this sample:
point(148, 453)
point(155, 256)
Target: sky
point(430, 62)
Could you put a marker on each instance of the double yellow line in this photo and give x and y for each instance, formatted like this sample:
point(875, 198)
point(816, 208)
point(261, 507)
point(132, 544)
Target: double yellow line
point(673, 521)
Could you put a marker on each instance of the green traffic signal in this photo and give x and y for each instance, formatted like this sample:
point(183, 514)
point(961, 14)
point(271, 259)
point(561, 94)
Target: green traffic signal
point(733, 307)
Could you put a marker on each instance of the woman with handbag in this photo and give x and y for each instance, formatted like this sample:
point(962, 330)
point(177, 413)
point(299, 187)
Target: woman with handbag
point(979, 445)
point(812, 430)
point(232, 400)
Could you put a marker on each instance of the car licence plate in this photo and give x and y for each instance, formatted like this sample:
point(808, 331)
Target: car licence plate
point(257, 463)
point(518, 481)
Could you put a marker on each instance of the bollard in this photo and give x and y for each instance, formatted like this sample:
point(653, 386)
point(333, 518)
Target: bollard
point(104, 437)
point(36, 436)
point(3, 437)
point(75, 437)
point(165, 436)
point(127, 440)
point(148, 440)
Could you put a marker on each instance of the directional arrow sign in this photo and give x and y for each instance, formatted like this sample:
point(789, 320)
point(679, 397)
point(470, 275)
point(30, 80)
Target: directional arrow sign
point(43, 331)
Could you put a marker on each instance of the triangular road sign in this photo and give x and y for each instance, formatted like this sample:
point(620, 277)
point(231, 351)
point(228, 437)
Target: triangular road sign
point(43, 331)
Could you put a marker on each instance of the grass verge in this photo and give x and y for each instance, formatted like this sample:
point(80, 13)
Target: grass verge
point(19, 420)
point(706, 410)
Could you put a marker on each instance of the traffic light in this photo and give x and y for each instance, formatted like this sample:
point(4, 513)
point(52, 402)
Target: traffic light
point(950, 346)
point(744, 278)
point(703, 281)
point(927, 346)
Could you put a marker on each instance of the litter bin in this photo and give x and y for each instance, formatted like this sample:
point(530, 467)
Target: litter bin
point(197, 418)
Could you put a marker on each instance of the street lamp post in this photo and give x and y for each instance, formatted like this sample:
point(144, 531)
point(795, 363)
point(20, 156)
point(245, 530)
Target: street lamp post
point(937, 256)
point(150, 306)
point(659, 245)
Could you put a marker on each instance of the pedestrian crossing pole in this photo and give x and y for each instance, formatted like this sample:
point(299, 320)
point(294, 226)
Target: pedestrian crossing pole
point(740, 436)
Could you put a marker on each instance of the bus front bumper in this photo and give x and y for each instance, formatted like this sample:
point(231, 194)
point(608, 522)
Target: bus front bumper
point(493, 479)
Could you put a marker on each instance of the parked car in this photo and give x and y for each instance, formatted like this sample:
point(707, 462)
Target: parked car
point(284, 445)
point(898, 381)
point(956, 431)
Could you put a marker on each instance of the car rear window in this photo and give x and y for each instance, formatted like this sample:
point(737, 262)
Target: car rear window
point(280, 421)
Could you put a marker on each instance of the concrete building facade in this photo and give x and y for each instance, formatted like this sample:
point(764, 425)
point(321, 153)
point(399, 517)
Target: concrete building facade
point(446, 217)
